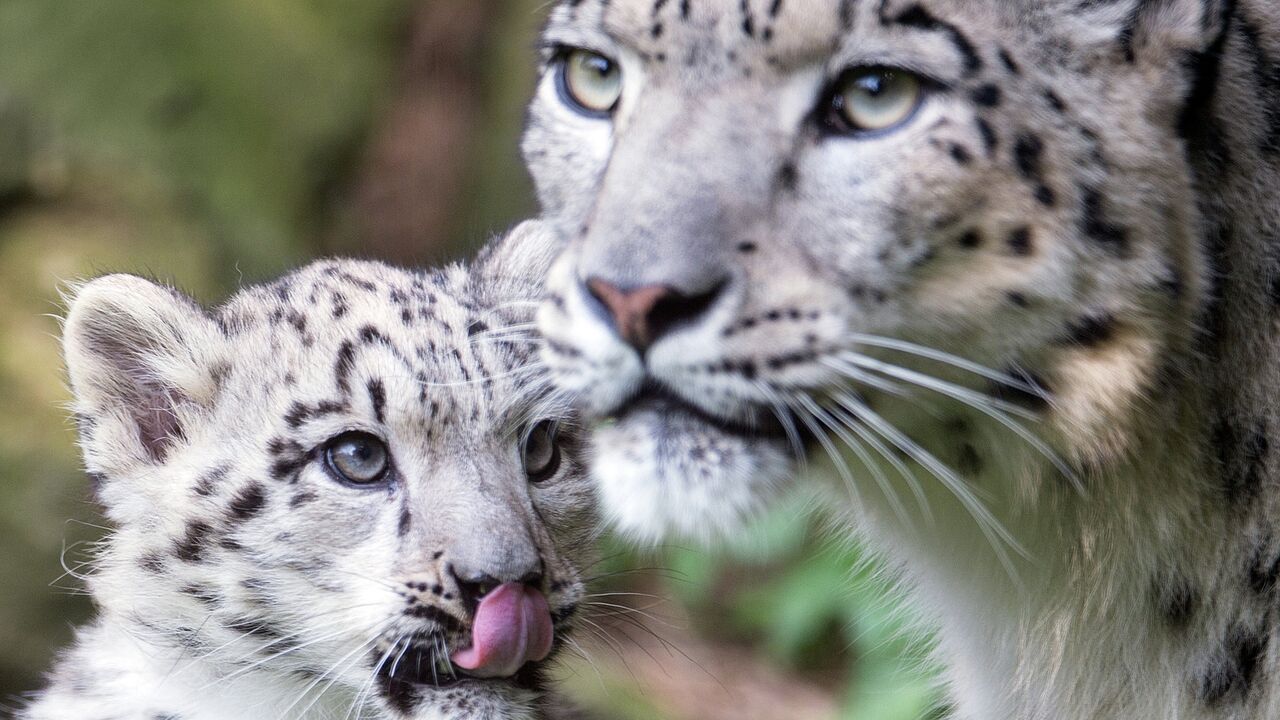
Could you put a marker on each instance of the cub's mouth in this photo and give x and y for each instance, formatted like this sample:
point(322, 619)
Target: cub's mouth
point(422, 666)
point(512, 633)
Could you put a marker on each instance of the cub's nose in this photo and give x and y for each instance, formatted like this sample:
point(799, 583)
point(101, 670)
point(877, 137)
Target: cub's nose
point(642, 315)
point(474, 584)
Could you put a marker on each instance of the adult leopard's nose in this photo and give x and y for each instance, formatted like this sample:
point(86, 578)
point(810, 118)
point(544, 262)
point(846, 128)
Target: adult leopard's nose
point(642, 315)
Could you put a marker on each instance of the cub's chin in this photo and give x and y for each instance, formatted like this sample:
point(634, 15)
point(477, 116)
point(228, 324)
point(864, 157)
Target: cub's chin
point(666, 470)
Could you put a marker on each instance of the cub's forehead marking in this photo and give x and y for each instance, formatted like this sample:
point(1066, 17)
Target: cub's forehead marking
point(396, 345)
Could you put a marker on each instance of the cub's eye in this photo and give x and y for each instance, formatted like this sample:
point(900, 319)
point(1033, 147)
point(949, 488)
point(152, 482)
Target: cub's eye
point(358, 457)
point(589, 82)
point(541, 452)
point(872, 99)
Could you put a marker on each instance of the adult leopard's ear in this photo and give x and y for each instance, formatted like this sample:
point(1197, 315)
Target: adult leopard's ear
point(1168, 30)
point(144, 365)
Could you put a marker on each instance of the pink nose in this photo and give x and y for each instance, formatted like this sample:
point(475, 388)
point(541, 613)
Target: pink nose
point(642, 315)
point(512, 627)
point(632, 310)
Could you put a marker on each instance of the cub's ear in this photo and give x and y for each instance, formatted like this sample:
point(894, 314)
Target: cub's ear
point(144, 364)
point(516, 264)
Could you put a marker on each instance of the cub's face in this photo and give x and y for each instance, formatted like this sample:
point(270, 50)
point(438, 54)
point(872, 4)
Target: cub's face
point(781, 216)
point(354, 473)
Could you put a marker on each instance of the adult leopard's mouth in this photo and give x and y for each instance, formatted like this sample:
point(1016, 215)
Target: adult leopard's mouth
point(753, 422)
point(664, 466)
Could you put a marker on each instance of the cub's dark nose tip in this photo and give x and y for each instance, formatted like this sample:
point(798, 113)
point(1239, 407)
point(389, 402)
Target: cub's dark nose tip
point(473, 586)
point(642, 315)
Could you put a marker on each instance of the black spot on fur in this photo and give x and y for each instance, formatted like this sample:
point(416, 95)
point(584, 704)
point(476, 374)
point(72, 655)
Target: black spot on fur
point(302, 498)
point(406, 521)
point(257, 627)
point(748, 20)
point(1176, 601)
point(1097, 226)
point(207, 484)
point(378, 399)
point(986, 95)
point(345, 365)
point(916, 16)
point(1018, 299)
point(1055, 101)
point(1231, 672)
point(290, 458)
point(299, 413)
point(248, 502)
point(192, 545)
point(989, 138)
point(1009, 63)
point(970, 240)
point(1019, 395)
point(1242, 454)
point(1028, 154)
point(1020, 241)
point(339, 305)
point(152, 562)
point(788, 178)
point(370, 335)
point(1264, 569)
point(1266, 72)
point(1091, 331)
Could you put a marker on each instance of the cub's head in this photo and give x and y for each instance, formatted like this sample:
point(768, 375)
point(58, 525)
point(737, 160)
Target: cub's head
point(356, 474)
point(781, 215)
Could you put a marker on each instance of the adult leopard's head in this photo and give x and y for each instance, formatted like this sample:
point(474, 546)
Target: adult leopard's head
point(784, 215)
point(354, 475)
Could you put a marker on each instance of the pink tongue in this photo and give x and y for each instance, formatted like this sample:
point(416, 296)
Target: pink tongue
point(512, 627)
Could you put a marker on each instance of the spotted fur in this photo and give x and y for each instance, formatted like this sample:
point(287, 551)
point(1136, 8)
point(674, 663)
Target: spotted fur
point(1035, 326)
point(244, 578)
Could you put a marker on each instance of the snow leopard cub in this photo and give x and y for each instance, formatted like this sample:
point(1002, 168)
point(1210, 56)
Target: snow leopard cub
point(343, 494)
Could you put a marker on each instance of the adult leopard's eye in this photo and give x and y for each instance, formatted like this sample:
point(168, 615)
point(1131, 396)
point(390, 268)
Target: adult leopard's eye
point(541, 452)
point(589, 82)
point(358, 457)
point(874, 99)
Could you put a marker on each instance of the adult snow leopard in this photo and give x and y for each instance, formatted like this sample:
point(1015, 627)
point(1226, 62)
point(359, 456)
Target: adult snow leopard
point(346, 493)
point(1014, 264)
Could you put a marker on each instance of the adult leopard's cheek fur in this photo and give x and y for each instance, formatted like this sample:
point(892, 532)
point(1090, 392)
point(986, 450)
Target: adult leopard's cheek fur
point(1012, 265)
point(662, 474)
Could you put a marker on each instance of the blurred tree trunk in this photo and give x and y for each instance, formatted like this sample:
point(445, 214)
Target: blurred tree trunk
point(416, 169)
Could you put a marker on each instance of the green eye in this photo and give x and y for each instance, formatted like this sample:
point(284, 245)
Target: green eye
point(541, 452)
point(590, 83)
point(358, 458)
point(874, 99)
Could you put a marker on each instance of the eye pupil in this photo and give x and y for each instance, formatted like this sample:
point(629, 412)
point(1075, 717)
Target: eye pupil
point(589, 82)
point(358, 458)
point(873, 99)
point(541, 452)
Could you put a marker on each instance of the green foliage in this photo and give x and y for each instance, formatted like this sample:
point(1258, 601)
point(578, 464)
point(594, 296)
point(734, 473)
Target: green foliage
point(814, 602)
point(186, 140)
point(237, 112)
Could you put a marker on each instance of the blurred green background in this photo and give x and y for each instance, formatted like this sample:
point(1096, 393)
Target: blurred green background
point(216, 144)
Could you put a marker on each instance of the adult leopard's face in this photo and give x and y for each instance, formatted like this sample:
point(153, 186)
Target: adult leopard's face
point(352, 475)
point(782, 215)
